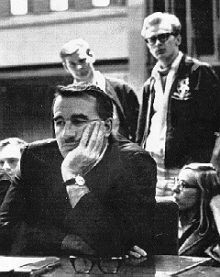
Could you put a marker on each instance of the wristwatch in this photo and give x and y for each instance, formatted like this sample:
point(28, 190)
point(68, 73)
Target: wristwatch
point(77, 180)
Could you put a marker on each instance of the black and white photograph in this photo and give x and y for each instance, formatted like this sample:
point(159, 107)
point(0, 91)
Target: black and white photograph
point(110, 138)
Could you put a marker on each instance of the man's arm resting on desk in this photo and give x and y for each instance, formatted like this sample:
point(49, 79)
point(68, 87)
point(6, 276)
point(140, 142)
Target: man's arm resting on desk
point(73, 243)
point(137, 201)
point(91, 221)
point(133, 181)
point(10, 214)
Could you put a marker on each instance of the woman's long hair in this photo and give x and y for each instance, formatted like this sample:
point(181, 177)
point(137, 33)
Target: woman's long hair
point(208, 183)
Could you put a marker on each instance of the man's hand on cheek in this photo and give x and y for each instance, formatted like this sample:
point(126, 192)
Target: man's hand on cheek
point(81, 159)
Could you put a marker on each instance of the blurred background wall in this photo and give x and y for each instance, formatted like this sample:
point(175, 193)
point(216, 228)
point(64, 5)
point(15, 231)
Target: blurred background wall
point(32, 32)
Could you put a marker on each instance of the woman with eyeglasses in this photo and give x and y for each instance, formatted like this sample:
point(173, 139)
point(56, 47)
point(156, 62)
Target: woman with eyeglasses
point(197, 192)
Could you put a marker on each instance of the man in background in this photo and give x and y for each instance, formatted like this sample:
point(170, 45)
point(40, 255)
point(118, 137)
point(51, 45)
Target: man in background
point(10, 155)
point(180, 111)
point(84, 192)
point(78, 59)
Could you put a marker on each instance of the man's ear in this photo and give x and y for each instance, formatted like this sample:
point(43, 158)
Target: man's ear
point(108, 126)
point(178, 39)
point(64, 66)
point(91, 54)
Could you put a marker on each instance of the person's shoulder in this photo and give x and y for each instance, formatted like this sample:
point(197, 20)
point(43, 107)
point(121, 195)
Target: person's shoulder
point(43, 145)
point(128, 148)
point(133, 154)
point(195, 63)
point(132, 148)
point(117, 82)
point(45, 150)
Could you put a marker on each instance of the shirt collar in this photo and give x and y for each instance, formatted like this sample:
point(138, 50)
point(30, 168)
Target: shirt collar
point(174, 65)
point(99, 80)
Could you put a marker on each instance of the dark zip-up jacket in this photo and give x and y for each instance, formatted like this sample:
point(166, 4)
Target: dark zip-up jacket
point(192, 121)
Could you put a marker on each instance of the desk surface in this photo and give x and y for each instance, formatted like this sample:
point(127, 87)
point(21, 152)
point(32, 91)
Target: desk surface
point(202, 271)
point(165, 265)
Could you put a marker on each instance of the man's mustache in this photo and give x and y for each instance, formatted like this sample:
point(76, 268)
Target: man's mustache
point(70, 140)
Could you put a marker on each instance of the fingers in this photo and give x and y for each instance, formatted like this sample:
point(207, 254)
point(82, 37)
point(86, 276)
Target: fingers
point(86, 134)
point(134, 254)
point(138, 252)
point(93, 136)
point(97, 137)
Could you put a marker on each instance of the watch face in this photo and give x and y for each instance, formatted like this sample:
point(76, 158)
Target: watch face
point(80, 180)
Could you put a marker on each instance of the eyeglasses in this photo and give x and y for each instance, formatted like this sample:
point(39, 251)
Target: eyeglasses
point(181, 185)
point(161, 37)
point(84, 264)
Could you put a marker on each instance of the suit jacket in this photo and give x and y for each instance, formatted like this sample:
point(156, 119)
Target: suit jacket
point(5, 181)
point(127, 105)
point(215, 160)
point(116, 214)
point(193, 114)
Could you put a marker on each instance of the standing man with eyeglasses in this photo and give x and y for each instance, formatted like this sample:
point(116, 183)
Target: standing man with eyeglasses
point(180, 111)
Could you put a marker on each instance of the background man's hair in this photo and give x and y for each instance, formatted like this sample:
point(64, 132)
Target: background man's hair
point(73, 46)
point(104, 103)
point(158, 17)
point(13, 141)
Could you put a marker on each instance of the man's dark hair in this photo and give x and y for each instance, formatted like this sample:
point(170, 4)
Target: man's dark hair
point(104, 103)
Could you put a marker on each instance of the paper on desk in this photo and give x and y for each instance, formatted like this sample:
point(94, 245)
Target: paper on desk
point(10, 263)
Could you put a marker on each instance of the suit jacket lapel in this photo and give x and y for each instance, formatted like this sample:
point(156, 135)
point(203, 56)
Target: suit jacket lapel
point(151, 96)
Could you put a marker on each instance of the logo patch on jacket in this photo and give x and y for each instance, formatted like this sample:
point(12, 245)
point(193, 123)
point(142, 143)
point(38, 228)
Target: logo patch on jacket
point(182, 92)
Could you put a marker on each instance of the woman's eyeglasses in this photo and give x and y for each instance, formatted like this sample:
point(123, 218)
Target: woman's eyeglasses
point(181, 185)
point(161, 37)
point(85, 264)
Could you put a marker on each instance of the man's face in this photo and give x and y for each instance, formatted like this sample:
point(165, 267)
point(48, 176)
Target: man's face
point(80, 65)
point(71, 116)
point(10, 156)
point(166, 49)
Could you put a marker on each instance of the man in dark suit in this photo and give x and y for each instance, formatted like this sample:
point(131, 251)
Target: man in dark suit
point(78, 59)
point(180, 110)
point(84, 191)
point(5, 181)
point(10, 154)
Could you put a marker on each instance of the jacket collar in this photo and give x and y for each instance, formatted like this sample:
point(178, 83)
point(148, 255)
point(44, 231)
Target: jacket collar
point(113, 95)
